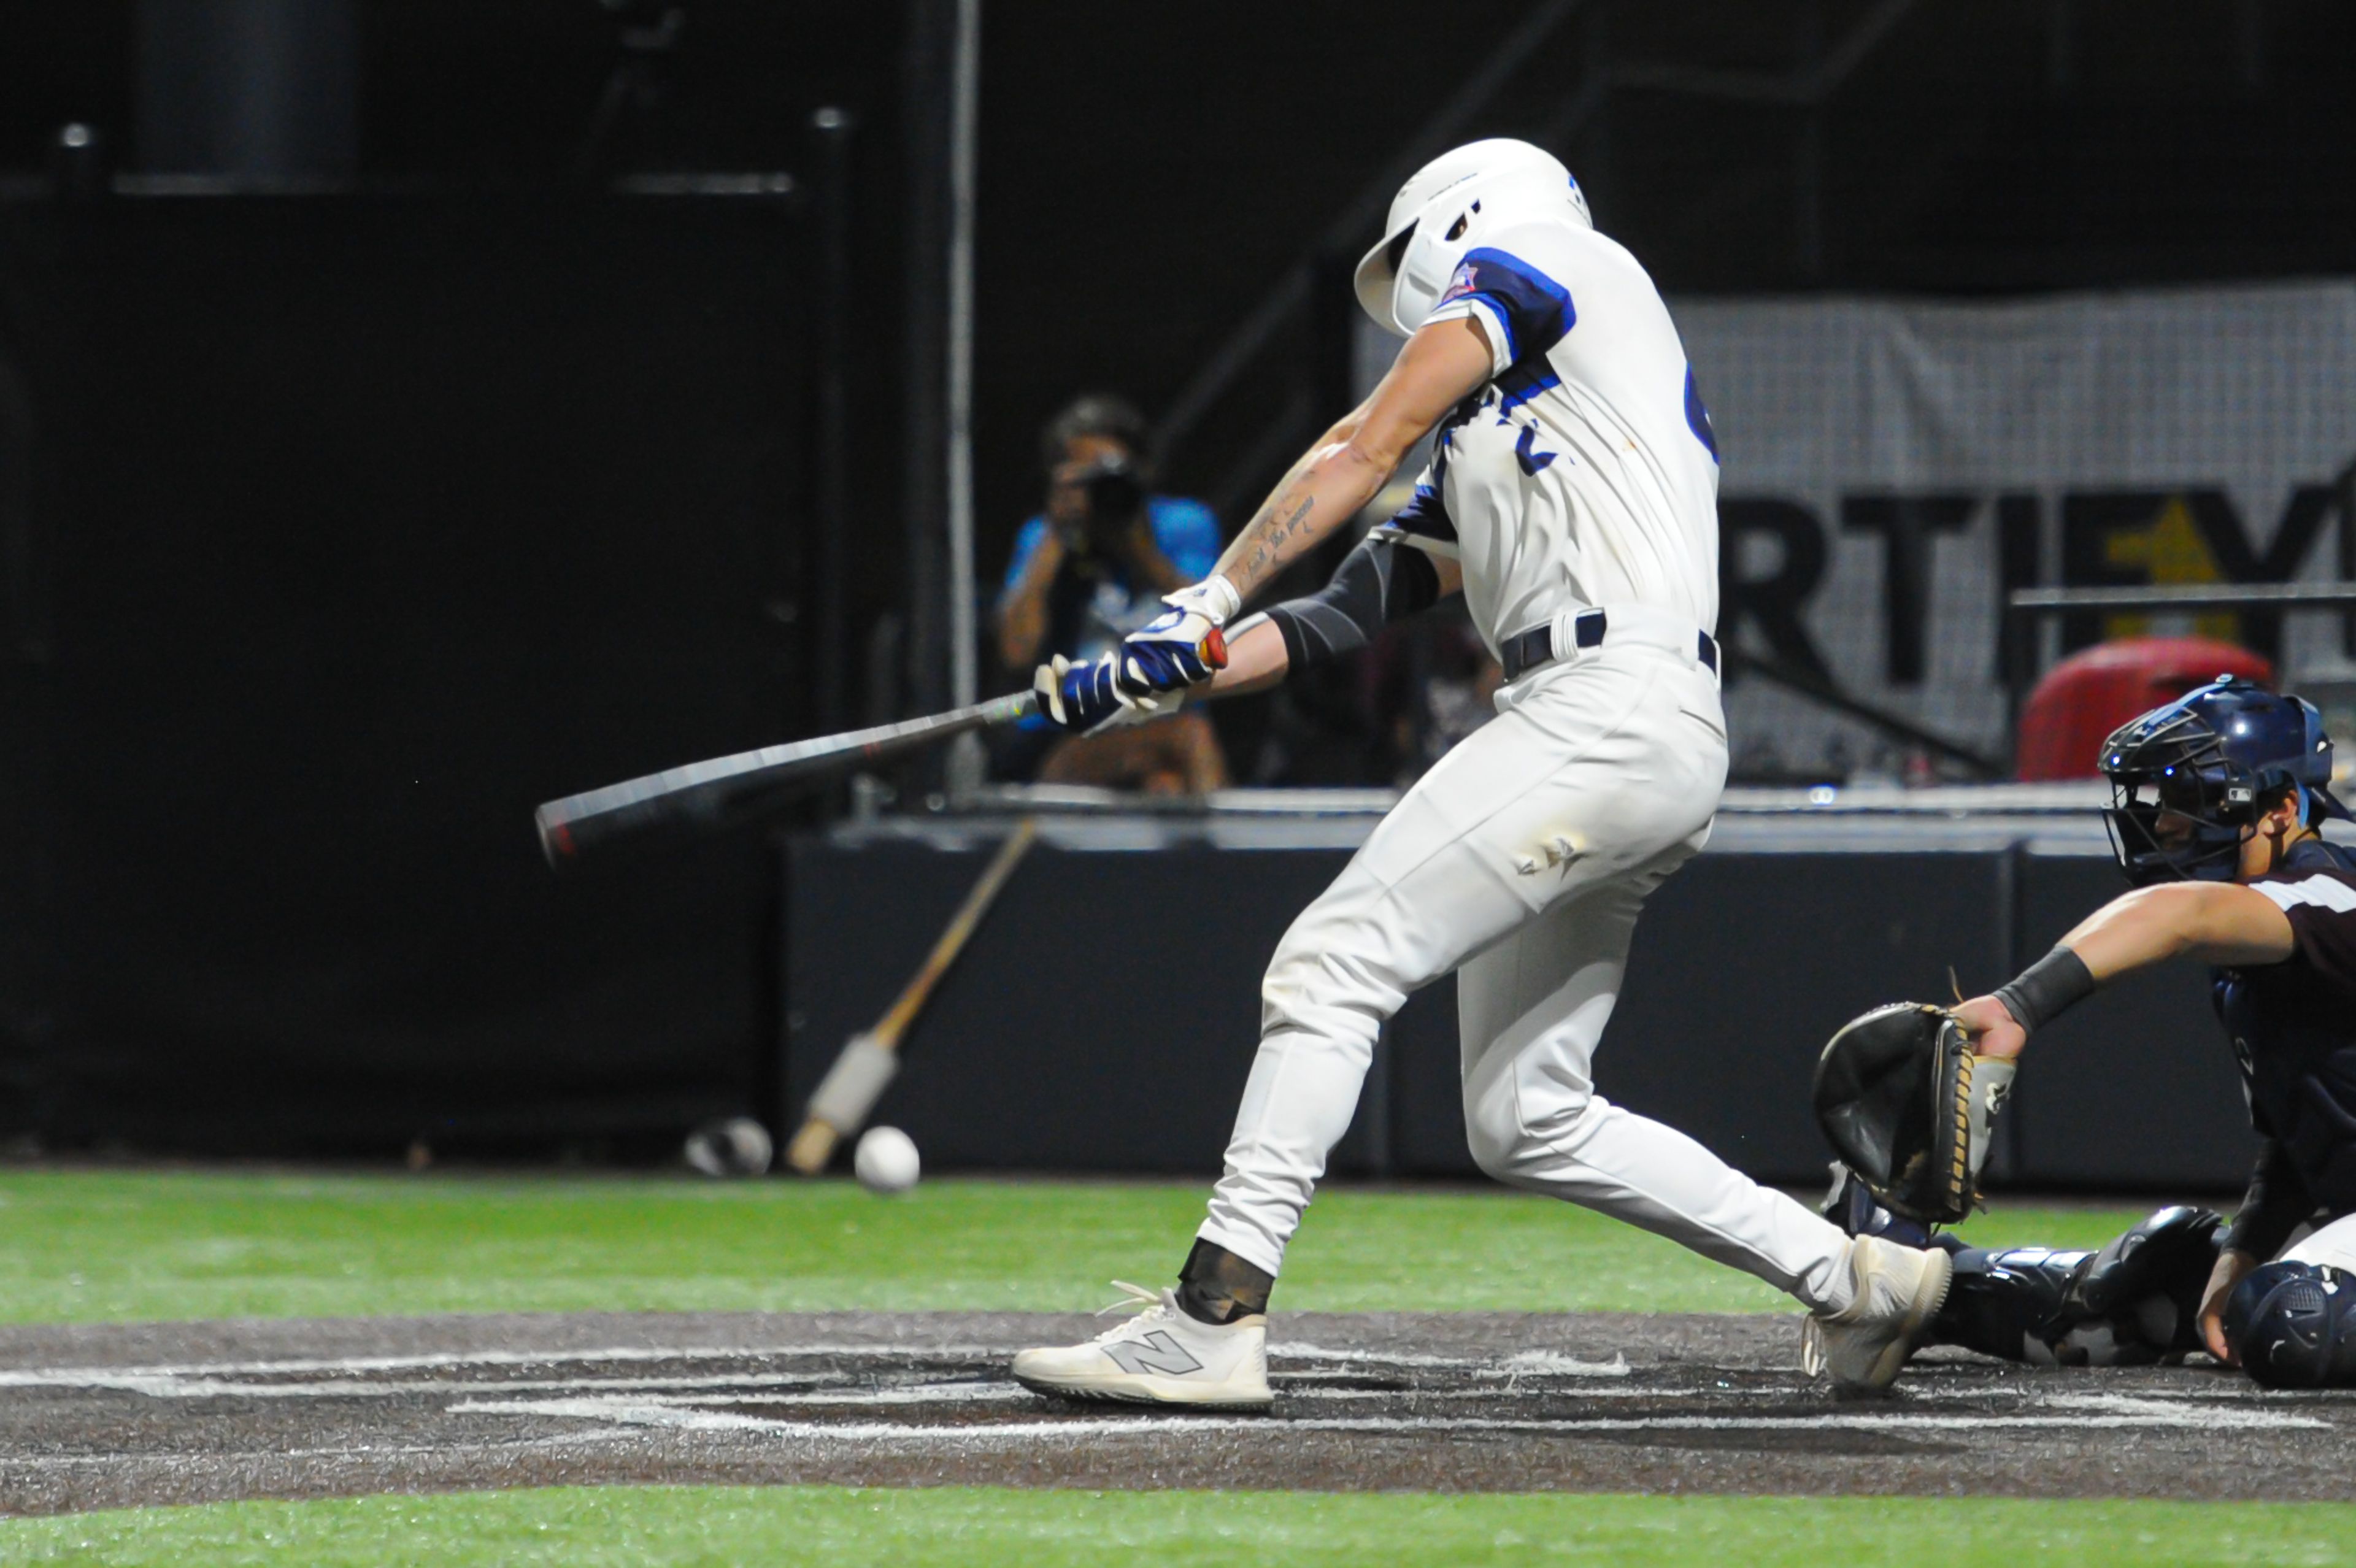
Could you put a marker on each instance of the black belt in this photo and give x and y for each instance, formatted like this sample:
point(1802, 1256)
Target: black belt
point(1525, 651)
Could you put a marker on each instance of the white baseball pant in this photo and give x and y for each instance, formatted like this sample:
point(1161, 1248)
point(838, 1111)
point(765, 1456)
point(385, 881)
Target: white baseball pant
point(1522, 859)
point(2333, 1244)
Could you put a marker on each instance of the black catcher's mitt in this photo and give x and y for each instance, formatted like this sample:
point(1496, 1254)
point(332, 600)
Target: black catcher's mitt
point(1909, 1108)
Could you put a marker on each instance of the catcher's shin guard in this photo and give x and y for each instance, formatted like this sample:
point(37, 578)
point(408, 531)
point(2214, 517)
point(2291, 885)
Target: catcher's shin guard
point(2152, 1276)
point(2008, 1304)
point(2135, 1302)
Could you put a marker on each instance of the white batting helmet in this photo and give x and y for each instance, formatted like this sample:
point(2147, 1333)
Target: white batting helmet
point(1446, 208)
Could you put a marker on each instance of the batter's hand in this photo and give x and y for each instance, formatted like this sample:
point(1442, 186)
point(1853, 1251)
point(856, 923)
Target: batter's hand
point(2231, 1267)
point(1088, 698)
point(1992, 1028)
point(1188, 644)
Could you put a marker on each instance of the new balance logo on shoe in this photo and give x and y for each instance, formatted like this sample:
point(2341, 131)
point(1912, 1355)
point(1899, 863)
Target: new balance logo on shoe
point(1152, 1352)
point(1159, 1357)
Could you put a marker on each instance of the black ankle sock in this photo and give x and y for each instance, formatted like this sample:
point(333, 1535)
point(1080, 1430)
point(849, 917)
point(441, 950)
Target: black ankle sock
point(1216, 1286)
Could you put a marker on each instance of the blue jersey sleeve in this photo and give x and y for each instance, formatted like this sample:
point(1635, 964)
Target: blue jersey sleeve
point(1026, 545)
point(1187, 532)
point(1524, 312)
point(1424, 521)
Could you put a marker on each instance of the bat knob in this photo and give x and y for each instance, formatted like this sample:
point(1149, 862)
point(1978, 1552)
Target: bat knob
point(555, 837)
point(1215, 648)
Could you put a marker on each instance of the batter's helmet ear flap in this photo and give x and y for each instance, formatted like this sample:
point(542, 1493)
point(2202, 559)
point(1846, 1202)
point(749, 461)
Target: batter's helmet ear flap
point(1378, 272)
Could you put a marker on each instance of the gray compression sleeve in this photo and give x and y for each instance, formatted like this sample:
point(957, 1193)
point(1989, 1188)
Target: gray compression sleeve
point(1377, 583)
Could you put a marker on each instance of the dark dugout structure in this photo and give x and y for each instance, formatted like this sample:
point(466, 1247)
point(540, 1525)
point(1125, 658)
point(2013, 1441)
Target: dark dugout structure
point(410, 410)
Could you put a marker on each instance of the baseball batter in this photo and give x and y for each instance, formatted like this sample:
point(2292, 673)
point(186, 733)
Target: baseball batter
point(1571, 499)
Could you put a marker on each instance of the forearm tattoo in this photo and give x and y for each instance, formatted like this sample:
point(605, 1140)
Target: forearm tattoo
point(1260, 552)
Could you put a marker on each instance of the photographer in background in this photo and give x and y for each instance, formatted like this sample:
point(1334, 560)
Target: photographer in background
point(1087, 572)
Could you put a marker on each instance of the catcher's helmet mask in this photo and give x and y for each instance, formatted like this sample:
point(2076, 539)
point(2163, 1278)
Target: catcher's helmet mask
point(2210, 764)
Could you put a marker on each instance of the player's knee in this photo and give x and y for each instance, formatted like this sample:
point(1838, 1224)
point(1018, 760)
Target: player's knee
point(1504, 1144)
point(2294, 1325)
point(1310, 977)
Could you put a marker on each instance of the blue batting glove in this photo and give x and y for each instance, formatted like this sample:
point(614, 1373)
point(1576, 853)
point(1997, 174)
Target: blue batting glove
point(1185, 645)
point(1086, 698)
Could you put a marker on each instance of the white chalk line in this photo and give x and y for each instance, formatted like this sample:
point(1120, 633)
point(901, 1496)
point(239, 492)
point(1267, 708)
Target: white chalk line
point(153, 1378)
point(168, 1387)
point(216, 1457)
point(625, 1417)
point(47, 1377)
point(2092, 1412)
point(753, 1385)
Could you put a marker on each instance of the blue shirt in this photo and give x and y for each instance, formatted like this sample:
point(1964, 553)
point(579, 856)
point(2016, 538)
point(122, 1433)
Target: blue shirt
point(1185, 530)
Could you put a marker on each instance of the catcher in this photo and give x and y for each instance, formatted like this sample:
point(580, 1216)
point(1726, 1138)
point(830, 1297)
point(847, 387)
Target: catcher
point(2217, 802)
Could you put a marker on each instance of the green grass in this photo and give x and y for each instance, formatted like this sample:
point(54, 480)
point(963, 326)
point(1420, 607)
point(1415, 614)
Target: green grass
point(84, 1246)
point(981, 1526)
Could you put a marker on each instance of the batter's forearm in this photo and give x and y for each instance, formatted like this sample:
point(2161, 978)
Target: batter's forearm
point(1328, 489)
point(1256, 659)
point(1378, 583)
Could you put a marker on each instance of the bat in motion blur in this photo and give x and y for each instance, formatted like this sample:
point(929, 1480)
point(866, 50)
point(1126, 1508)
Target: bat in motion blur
point(859, 1076)
point(714, 793)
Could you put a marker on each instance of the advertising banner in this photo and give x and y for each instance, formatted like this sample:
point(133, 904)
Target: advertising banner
point(1892, 469)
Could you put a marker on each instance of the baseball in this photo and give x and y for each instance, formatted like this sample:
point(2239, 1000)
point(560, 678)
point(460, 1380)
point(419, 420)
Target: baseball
point(885, 1161)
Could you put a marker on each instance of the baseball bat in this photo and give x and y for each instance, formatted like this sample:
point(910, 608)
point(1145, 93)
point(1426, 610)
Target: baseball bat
point(704, 792)
point(866, 1066)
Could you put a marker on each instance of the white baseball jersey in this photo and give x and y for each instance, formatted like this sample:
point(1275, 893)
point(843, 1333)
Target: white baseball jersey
point(1585, 472)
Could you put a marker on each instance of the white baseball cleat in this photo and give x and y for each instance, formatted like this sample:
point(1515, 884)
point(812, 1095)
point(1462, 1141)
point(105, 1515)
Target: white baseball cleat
point(1161, 1356)
point(1899, 1291)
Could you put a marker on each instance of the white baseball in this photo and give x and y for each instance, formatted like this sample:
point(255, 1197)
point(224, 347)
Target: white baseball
point(885, 1161)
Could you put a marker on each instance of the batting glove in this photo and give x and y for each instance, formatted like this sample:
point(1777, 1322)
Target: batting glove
point(1086, 699)
point(1188, 644)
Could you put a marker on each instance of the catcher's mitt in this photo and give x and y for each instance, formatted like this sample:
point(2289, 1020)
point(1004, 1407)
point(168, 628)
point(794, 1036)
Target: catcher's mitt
point(1908, 1106)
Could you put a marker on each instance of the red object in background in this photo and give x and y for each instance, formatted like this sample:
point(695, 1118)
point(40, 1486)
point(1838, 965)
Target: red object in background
point(2088, 695)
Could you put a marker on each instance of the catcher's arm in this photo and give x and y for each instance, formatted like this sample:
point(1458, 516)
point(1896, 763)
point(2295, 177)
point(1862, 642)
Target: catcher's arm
point(2277, 1204)
point(2218, 922)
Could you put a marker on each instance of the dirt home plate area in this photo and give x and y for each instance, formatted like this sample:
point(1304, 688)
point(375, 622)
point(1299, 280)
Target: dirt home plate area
point(112, 1416)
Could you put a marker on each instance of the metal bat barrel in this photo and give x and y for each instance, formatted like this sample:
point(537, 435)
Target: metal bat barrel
point(706, 793)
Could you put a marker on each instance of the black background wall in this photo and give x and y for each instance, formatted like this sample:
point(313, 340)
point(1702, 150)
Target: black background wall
point(366, 524)
point(1149, 171)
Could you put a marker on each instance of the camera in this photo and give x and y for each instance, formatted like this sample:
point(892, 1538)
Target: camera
point(1114, 490)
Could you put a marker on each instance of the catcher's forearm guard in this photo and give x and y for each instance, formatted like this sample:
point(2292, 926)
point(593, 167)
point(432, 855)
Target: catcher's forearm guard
point(1911, 1109)
point(2046, 989)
